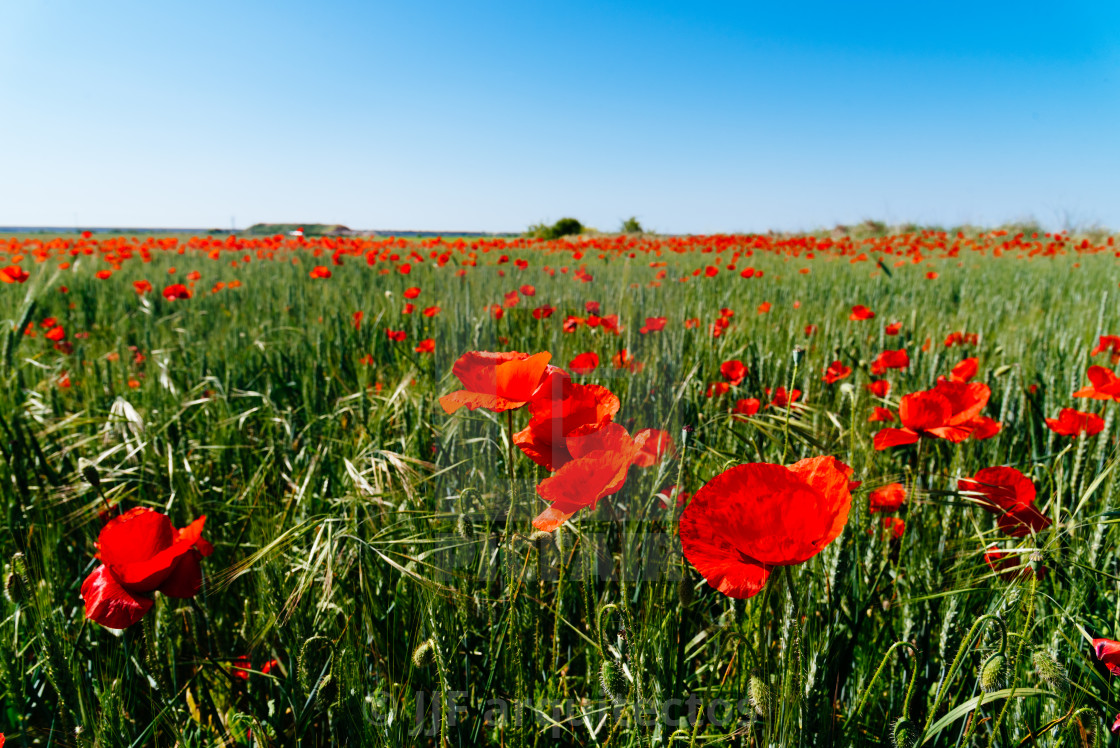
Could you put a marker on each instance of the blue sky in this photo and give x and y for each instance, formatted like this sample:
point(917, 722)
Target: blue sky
point(693, 116)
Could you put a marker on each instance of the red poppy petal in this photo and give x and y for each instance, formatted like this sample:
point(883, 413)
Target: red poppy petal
point(894, 437)
point(136, 535)
point(472, 400)
point(110, 604)
point(550, 519)
point(185, 579)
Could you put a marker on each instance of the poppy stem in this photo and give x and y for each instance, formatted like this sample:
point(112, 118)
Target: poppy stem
point(509, 459)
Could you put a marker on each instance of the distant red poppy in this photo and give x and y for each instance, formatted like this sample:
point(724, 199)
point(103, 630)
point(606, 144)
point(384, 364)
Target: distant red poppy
point(584, 363)
point(879, 388)
point(431, 311)
point(56, 334)
point(747, 406)
point(1008, 566)
point(782, 398)
point(528, 290)
point(734, 371)
point(1104, 385)
point(1010, 494)
point(895, 525)
point(965, 370)
point(497, 381)
point(600, 462)
point(764, 307)
point(623, 360)
point(13, 274)
point(893, 328)
point(411, 293)
point(835, 372)
point(357, 317)
point(860, 312)
point(320, 271)
point(888, 498)
point(592, 307)
point(572, 323)
point(880, 414)
point(141, 553)
point(1108, 652)
point(1069, 422)
point(753, 517)
point(1107, 343)
point(427, 345)
point(716, 389)
point(810, 330)
point(103, 274)
point(655, 324)
point(176, 291)
point(951, 411)
point(655, 445)
point(890, 360)
point(395, 335)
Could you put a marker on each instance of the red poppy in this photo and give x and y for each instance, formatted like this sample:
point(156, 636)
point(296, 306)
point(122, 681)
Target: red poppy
point(756, 516)
point(601, 461)
point(860, 312)
point(655, 445)
point(408, 308)
point(691, 322)
point(395, 335)
point(13, 274)
point(715, 389)
point(543, 312)
point(965, 370)
point(1010, 494)
point(783, 398)
point(810, 330)
point(56, 333)
point(1108, 652)
point(1104, 385)
point(879, 388)
point(141, 553)
point(1069, 422)
point(571, 323)
point(896, 526)
point(890, 360)
point(893, 328)
point(576, 410)
point(747, 406)
point(103, 274)
point(623, 360)
point(497, 381)
point(176, 291)
point(655, 324)
point(584, 363)
point(592, 307)
point(1007, 566)
point(888, 498)
point(320, 271)
point(880, 414)
point(1109, 343)
point(431, 311)
point(411, 293)
point(951, 411)
point(142, 286)
point(528, 290)
point(734, 371)
point(427, 345)
point(835, 372)
point(764, 307)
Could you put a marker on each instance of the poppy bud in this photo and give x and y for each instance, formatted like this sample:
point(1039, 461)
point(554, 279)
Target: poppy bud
point(613, 680)
point(424, 655)
point(904, 734)
point(1048, 669)
point(686, 592)
point(15, 584)
point(991, 673)
point(798, 354)
point(89, 472)
point(464, 528)
point(759, 694)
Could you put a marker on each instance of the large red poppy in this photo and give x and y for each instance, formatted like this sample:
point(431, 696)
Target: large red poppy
point(141, 553)
point(1010, 494)
point(951, 411)
point(497, 381)
point(734, 371)
point(601, 460)
point(1104, 385)
point(577, 410)
point(756, 516)
point(1108, 652)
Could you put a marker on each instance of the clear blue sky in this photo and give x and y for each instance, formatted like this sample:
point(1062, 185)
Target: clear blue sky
point(693, 116)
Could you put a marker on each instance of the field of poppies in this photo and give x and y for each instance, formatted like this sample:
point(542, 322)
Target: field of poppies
point(760, 490)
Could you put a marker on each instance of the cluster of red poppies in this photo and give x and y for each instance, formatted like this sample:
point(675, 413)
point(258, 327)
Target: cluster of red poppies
point(571, 430)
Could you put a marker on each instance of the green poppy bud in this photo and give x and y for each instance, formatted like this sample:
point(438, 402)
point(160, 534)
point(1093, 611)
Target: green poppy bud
point(991, 673)
point(613, 680)
point(904, 733)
